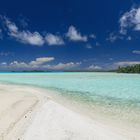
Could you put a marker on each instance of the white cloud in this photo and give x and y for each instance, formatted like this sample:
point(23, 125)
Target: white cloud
point(136, 51)
point(41, 60)
point(54, 39)
point(29, 38)
point(74, 35)
point(32, 38)
point(130, 19)
point(94, 67)
point(24, 36)
point(126, 63)
point(17, 65)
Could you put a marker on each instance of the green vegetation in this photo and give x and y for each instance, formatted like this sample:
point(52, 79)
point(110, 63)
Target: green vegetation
point(129, 69)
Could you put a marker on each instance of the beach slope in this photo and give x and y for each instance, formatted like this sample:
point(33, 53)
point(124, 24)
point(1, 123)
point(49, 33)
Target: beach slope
point(27, 113)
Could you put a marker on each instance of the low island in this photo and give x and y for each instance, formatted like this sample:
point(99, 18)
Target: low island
point(129, 69)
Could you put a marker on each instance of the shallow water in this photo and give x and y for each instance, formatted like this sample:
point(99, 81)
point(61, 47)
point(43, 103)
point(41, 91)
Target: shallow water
point(118, 93)
point(111, 85)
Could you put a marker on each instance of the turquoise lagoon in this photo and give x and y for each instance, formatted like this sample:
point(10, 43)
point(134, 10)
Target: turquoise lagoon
point(115, 94)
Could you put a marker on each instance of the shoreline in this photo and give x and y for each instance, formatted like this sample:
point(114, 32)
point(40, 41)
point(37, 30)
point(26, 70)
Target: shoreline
point(39, 117)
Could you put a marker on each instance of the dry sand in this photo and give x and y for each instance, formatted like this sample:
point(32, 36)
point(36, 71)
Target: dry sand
point(17, 105)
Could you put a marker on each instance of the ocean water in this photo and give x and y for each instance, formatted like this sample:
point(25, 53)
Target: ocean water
point(117, 92)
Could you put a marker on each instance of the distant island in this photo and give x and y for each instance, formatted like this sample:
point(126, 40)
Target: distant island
point(38, 71)
point(129, 69)
point(125, 69)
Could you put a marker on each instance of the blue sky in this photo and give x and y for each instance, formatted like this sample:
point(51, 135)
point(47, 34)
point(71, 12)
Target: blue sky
point(64, 35)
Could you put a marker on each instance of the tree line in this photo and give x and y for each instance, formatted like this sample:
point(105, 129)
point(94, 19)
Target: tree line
point(129, 69)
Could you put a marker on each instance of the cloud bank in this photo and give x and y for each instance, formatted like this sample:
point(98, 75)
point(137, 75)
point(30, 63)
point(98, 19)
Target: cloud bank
point(40, 63)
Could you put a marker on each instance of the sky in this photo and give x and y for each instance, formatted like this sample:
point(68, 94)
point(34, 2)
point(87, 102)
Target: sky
point(69, 35)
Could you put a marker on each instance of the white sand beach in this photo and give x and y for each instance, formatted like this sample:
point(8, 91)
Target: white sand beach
point(27, 113)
